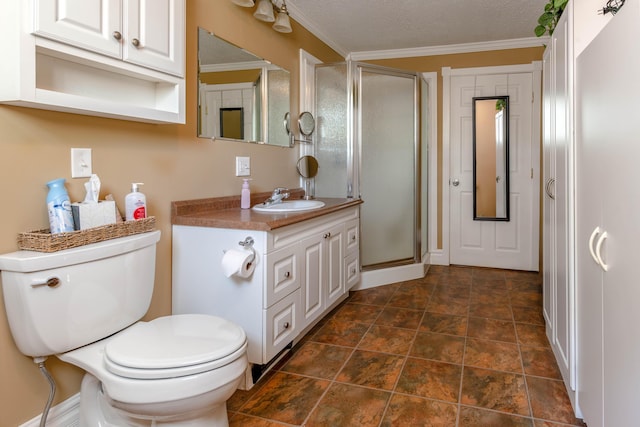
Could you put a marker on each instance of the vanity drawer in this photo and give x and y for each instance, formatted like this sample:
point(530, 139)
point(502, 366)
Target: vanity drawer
point(282, 275)
point(353, 235)
point(281, 324)
point(351, 270)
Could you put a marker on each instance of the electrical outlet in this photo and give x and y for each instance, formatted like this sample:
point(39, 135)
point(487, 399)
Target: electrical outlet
point(243, 166)
point(81, 163)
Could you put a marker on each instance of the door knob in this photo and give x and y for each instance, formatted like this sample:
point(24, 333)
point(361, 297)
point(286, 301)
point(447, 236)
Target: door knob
point(455, 182)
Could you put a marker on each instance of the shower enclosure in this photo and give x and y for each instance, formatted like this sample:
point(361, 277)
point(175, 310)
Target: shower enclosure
point(368, 146)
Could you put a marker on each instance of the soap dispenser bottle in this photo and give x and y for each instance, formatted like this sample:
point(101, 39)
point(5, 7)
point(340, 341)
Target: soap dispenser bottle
point(245, 194)
point(135, 203)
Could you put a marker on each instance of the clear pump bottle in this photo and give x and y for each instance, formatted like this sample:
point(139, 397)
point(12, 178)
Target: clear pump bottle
point(245, 194)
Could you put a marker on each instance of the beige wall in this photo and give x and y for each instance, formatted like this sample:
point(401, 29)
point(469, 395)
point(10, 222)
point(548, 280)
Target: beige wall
point(169, 159)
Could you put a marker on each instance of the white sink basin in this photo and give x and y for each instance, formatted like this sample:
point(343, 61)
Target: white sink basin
point(290, 206)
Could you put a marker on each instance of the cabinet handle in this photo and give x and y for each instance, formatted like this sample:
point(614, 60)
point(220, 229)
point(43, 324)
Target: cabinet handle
point(117, 35)
point(547, 188)
point(596, 231)
point(602, 238)
point(286, 325)
point(135, 42)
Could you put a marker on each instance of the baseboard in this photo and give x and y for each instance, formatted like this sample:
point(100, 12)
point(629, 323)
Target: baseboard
point(438, 257)
point(64, 414)
point(385, 276)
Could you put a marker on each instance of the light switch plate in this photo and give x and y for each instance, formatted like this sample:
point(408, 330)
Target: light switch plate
point(81, 163)
point(243, 166)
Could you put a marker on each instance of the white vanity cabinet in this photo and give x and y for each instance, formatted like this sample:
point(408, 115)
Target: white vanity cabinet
point(121, 59)
point(303, 270)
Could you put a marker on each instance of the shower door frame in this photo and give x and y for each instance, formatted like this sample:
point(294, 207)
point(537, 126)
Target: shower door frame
point(355, 152)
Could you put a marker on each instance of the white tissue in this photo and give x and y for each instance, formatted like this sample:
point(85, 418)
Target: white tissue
point(93, 189)
point(237, 262)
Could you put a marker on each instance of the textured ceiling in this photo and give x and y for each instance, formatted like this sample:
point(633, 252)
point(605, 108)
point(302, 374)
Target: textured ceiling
point(380, 25)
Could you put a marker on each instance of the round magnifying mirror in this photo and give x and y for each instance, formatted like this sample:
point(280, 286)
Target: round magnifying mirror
point(308, 166)
point(306, 123)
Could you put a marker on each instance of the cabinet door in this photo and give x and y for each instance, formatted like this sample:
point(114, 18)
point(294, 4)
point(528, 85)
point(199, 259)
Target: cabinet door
point(548, 229)
point(281, 323)
point(94, 25)
point(281, 269)
point(155, 34)
point(334, 247)
point(313, 260)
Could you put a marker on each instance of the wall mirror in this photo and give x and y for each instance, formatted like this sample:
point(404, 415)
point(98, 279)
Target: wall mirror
point(241, 96)
point(491, 158)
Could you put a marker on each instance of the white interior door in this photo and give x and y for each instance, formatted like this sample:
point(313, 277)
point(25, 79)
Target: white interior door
point(509, 244)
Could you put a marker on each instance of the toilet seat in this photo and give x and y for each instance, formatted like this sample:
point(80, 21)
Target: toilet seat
point(174, 346)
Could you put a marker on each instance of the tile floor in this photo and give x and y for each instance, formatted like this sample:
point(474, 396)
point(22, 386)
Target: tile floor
point(461, 347)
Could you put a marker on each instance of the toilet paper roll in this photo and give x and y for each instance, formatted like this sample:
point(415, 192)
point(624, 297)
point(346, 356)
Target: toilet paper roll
point(239, 263)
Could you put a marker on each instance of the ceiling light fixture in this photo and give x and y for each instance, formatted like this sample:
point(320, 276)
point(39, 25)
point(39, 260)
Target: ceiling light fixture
point(265, 12)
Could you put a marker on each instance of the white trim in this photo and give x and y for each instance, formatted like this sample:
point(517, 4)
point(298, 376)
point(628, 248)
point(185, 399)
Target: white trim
point(235, 66)
point(451, 49)
point(536, 140)
point(446, 126)
point(432, 163)
point(499, 69)
point(385, 276)
point(307, 98)
point(64, 414)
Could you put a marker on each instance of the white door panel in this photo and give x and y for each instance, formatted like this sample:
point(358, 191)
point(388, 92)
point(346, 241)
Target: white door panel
point(493, 243)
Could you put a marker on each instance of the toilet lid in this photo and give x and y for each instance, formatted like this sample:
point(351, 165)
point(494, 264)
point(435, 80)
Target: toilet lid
point(173, 342)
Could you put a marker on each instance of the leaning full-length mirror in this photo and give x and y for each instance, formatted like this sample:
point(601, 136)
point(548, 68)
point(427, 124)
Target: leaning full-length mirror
point(241, 97)
point(491, 158)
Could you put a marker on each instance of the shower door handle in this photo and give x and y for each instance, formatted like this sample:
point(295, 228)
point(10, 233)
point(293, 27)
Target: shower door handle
point(455, 182)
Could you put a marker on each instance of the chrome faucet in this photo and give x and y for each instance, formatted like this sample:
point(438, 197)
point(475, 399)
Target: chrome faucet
point(278, 195)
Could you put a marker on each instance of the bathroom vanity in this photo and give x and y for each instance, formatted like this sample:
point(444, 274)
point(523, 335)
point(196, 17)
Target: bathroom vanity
point(305, 264)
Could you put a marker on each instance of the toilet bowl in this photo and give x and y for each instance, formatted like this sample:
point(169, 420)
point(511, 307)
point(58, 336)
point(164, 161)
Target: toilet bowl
point(171, 371)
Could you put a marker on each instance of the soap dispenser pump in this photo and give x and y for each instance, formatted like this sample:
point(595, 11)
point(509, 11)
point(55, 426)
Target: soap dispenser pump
point(245, 194)
point(135, 203)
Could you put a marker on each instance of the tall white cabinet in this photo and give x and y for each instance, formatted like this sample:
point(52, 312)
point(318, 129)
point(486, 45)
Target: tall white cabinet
point(608, 229)
point(558, 185)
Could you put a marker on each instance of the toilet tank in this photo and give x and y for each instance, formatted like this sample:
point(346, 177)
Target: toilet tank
point(101, 288)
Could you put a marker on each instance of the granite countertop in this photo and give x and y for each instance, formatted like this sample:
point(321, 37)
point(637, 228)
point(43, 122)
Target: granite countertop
point(225, 212)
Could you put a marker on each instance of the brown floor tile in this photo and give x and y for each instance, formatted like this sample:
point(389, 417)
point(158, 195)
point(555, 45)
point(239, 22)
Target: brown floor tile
point(427, 378)
point(410, 297)
point(372, 369)
point(444, 324)
point(448, 305)
point(527, 299)
point(491, 329)
point(493, 355)
point(531, 315)
point(400, 317)
point(410, 411)
point(375, 296)
point(444, 348)
point(532, 335)
point(387, 339)
point(304, 360)
point(361, 313)
point(341, 333)
point(475, 417)
point(549, 401)
point(488, 273)
point(540, 362)
point(347, 405)
point(491, 310)
point(499, 391)
point(241, 420)
point(286, 398)
point(490, 297)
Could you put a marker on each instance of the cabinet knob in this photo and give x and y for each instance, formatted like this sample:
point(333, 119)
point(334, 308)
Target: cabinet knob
point(117, 35)
point(135, 42)
point(287, 274)
point(327, 235)
point(353, 237)
point(286, 325)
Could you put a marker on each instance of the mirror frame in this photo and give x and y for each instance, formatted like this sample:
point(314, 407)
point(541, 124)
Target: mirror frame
point(505, 158)
point(267, 124)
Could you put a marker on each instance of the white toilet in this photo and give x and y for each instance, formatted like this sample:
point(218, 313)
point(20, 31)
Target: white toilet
point(84, 305)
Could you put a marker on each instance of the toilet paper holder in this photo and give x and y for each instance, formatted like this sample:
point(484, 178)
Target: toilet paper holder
point(247, 243)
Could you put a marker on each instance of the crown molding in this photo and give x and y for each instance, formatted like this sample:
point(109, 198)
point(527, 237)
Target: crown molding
point(451, 49)
point(295, 14)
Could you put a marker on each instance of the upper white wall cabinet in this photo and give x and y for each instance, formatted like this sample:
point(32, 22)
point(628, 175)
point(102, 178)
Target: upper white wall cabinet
point(121, 59)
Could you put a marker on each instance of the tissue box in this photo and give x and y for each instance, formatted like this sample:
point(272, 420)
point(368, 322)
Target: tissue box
point(89, 215)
